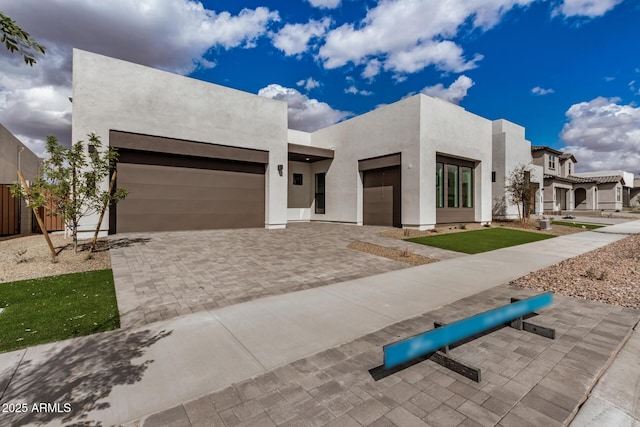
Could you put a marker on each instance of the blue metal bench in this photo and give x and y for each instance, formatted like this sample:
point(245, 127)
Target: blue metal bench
point(435, 344)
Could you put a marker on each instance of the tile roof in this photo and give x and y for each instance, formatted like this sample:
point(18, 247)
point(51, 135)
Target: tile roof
point(607, 179)
point(585, 180)
point(547, 148)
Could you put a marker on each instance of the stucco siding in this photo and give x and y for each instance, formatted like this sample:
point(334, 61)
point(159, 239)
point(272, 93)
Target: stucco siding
point(452, 131)
point(387, 130)
point(109, 94)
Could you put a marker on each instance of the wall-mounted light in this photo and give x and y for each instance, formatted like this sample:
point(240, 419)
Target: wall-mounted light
point(92, 148)
point(280, 169)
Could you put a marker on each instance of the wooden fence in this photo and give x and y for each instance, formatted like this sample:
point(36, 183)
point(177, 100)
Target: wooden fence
point(9, 212)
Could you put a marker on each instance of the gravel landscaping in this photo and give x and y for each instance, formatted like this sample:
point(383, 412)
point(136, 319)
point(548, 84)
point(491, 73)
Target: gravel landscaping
point(29, 257)
point(402, 255)
point(610, 275)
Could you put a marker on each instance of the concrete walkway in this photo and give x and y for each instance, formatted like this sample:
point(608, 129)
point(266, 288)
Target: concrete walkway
point(124, 375)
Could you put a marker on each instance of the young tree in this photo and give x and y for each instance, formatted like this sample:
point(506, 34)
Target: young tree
point(35, 199)
point(520, 192)
point(16, 39)
point(72, 182)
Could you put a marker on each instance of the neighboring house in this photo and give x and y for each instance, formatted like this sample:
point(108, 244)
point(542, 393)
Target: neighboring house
point(634, 196)
point(15, 217)
point(511, 150)
point(564, 189)
point(619, 196)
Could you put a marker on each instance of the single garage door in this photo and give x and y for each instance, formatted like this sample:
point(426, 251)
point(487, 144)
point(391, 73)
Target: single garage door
point(381, 197)
point(170, 192)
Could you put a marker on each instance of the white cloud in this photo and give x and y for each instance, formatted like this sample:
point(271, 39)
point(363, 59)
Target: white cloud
point(308, 84)
point(305, 114)
point(454, 93)
point(173, 35)
point(355, 91)
point(541, 91)
point(425, 27)
point(325, 4)
point(603, 134)
point(445, 55)
point(371, 69)
point(585, 8)
point(293, 39)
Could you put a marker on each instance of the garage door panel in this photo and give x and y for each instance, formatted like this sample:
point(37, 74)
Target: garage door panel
point(378, 206)
point(189, 193)
point(166, 198)
point(381, 197)
point(179, 207)
point(179, 222)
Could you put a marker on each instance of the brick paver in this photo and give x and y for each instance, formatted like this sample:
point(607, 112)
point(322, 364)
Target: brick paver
point(159, 276)
point(526, 379)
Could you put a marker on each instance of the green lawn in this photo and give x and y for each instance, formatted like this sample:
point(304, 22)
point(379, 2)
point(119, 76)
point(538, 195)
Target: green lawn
point(473, 242)
point(57, 307)
point(577, 224)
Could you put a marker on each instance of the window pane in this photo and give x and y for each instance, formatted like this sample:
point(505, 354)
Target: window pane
point(467, 187)
point(440, 185)
point(320, 195)
point(452, 186)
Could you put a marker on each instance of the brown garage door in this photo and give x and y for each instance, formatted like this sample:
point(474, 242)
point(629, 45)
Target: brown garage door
point(186, 185)
point(381, 199)
point(167, 198)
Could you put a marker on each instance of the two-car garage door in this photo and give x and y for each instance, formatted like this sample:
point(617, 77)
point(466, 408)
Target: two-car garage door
point(184, 185)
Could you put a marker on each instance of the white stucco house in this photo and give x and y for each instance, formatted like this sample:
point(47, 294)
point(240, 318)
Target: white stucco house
point(196, 155)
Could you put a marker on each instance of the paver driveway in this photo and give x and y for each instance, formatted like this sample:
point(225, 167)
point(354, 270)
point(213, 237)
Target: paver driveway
point(163, 275)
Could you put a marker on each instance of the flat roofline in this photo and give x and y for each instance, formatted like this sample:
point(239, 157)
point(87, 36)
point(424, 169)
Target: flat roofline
point(308, 154)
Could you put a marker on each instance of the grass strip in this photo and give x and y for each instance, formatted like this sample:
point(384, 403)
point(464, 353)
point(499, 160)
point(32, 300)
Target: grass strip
point(477, 241)
point(56, 308)
point(578, 225)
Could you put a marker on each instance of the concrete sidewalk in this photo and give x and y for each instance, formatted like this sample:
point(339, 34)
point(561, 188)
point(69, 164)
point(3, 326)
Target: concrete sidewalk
point(124, 375)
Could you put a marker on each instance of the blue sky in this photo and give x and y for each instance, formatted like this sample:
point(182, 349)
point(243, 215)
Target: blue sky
point(567, 70)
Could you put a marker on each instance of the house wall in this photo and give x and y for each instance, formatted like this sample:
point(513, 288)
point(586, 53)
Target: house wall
point(541, 158)
point(298, 137)
point(635, 194)
point(29, 164)
point(300, 196)
point(568, 168)
point(110, 94)
point(450, 130)
point(590, 192)
point(551, 202)
point(418, 128)
point(607, 196)
point(391, 129)
point(510, 149)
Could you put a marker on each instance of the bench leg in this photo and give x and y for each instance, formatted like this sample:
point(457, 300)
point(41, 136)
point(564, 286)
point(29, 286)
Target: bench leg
point(457, 366)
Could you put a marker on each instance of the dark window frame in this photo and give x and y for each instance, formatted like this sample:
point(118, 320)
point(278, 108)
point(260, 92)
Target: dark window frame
point(460, 164)
point(297, 179)
point(320, 193)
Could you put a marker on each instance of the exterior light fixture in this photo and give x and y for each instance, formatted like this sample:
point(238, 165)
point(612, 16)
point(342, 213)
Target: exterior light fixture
point(280, 169)
point(92, 148)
